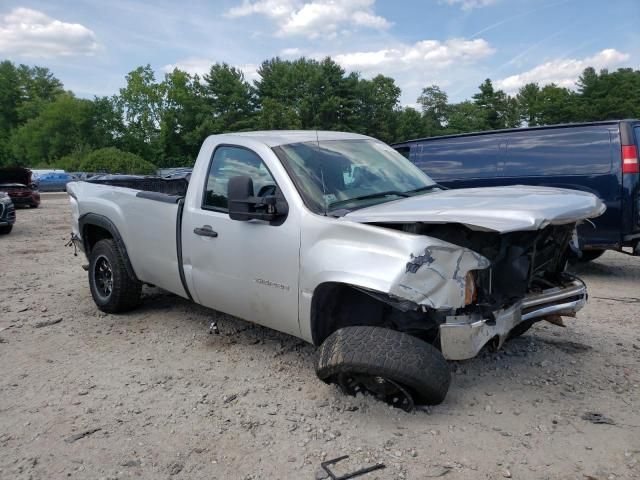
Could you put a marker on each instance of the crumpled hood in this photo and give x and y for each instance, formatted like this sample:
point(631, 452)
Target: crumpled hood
point(499, 209)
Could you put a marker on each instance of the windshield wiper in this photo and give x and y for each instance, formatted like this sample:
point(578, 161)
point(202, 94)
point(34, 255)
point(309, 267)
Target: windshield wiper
point(426, 188)
point(371, 195)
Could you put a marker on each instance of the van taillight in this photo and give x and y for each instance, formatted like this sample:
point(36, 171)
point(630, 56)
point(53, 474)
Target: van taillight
point(630, 159)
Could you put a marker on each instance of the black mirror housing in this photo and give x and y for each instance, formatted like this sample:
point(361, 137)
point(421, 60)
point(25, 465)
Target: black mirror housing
point(244, 206)
point(239, 191)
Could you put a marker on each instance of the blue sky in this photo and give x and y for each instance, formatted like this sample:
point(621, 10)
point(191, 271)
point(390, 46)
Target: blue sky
point(90, 45)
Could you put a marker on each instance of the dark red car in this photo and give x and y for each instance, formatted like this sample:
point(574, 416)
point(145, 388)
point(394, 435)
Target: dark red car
point(17, 182)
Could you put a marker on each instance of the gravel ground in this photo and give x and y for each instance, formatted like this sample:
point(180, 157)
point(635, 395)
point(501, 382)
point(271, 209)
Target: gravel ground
point(151, 394)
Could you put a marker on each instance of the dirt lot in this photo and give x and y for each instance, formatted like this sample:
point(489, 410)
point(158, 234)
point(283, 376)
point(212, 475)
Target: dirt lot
point(158, 397)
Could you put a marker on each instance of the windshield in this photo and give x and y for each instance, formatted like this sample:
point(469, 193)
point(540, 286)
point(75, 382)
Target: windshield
point(348, 174)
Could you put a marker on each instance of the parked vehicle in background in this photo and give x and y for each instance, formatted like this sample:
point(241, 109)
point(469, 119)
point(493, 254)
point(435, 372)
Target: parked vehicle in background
point(7, 213)
point(55, 181)
point(600, 158)
point(19, 184)
point(337, 239)
point(174, 172)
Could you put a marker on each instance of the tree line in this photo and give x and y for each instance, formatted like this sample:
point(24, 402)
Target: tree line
point(154, 123)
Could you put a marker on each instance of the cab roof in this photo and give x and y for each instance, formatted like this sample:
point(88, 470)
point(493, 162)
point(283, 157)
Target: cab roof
point(274, 138)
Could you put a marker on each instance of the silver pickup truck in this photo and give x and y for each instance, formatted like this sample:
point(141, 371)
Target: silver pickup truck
point(337, 239)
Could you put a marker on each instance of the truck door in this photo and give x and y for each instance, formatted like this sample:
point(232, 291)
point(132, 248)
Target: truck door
point(244, 268)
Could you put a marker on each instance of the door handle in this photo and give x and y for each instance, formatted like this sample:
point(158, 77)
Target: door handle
point(205, 231)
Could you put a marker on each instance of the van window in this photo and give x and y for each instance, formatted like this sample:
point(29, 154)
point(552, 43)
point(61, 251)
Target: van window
point(471, 157)
point(561, 151)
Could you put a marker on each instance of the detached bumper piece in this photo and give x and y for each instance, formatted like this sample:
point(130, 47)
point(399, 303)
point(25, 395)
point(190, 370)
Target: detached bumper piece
point(462, 337)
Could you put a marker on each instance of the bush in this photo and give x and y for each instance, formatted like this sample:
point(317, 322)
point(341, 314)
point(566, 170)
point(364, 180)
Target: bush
point(72, 162)
point(113, 160)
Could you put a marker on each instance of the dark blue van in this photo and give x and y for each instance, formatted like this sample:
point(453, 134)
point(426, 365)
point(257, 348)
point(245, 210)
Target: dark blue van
point(599, 157)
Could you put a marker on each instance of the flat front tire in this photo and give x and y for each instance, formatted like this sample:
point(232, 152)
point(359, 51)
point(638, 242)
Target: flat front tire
point(112, 288)
point(385, 363)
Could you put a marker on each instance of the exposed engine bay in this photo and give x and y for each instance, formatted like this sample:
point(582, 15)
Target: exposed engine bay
point(522, 264)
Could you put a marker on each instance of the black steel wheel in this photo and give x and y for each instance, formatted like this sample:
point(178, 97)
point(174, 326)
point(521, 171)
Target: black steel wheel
point(112, 288)
point(103, 277)
point(383, 389)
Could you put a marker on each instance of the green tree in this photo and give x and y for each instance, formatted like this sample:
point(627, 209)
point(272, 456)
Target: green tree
point(38, 87)
point(141, 103)
point(557, 105)
point(378, 100)
point(113, 160)
point(500, 110)
point(529, 99)
point(230, 99)
point(409, 124)
point(435, 108)
point(306, 94)
point(183, 124)
point(466, 117)
point(608, 95)
point(62, 126)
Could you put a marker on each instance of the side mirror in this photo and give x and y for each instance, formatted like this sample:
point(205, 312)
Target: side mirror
point(244, 206)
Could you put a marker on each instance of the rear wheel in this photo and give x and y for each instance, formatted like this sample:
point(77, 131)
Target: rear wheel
point(112, 289)
point(392, 366)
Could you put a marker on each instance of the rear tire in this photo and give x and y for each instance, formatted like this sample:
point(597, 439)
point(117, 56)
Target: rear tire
point(6, 229)
point(373, 354)
point(112, 289)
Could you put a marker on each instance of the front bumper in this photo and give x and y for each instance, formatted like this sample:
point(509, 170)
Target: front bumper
point(7, 214)
point(462, 337)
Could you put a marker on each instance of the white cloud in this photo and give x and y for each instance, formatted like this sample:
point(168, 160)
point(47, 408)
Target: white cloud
point(467, 5)
point(192, 65)
point(291, 52)
point(29, 33)
point(414, 66)
point(317, 18)
point(201, 66)
point(563, 72)
point(423, 56)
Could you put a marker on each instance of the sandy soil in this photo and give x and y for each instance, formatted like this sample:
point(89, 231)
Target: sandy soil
point(158, 397)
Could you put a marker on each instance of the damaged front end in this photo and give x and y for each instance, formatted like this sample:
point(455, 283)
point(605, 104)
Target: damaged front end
point(481, 287)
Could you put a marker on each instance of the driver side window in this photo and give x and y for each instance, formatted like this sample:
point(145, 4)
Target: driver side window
point(230, 162)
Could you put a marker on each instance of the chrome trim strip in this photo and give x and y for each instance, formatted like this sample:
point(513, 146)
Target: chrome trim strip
point(554, 294)
point(570, 307)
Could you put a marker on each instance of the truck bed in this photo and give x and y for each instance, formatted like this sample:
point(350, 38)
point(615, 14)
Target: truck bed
point(147, 221)
point(174, 186)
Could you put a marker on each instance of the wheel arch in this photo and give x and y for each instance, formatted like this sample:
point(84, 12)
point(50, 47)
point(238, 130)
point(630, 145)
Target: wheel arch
point(94, 227)
point(335, 305)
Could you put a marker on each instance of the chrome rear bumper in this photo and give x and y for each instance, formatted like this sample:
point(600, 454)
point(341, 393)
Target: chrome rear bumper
point(462, 337)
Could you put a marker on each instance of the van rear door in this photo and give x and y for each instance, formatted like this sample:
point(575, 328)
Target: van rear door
point(630, 167)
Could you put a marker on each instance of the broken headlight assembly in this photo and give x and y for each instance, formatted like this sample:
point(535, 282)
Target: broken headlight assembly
point(470, 288)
